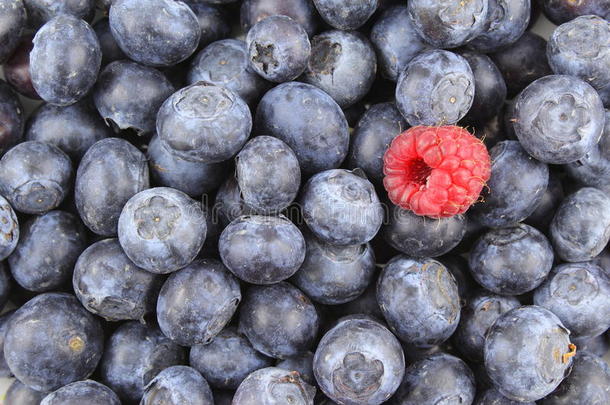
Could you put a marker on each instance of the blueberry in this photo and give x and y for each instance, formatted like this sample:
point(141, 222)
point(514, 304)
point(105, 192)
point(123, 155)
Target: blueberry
point(11, 27)
point(561, 11)
point(359, 361)
point(343, 64)
point(110, 173)
point(204, 123)
point(447, 23)
point(262, 250)
point(420, 236)
point(87, 391)
point(437, 88)
point(225, 63)
point(302, 364)
point(278, 48)
point(134, 355)
point(162, 229)
point(110, 49)
point(436, 379)
point(155, 32)
point(515, 188)
point(419, 300)
point(506, 22)
point(5, 372)
point(309, 121)
point(178, 385)
point(17, 68)
point(20, 394)
point(581, 226)
point(553, 195)
point(41, 11)
point(395, 41)
point(279, 320)
point(47, 250)
point(52, 341)
point(229, 204)
point(302, 11)
point(212, 23)
point(491, 396)
point(13, 120)
point(227, 360)
point(9, 230)
point(346, 14)
point(598, 345)
point(128, 96)
point(273, 385)
point(579, 294)
point(527, 353)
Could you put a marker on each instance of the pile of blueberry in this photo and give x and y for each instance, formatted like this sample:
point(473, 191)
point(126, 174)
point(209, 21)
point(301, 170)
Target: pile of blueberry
point(304, 202)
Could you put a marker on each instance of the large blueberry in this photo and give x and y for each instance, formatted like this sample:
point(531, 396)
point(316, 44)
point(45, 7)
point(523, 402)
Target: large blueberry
point(77, 393)
point(273, 385)
point(110, 49)
point(21, 394)
point(11, 113)
point(41, 11)
point(178, 385)
point(212, 22)
point(302, 11)
point(12, 24)
point(346, 14)
point(9, 229)
point(506, 22)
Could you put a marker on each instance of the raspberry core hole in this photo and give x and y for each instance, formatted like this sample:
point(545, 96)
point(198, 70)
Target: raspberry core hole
point(419, 171)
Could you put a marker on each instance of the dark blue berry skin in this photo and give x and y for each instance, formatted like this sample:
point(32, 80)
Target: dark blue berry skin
point(9, 232)
point(278, 48)
point(134, 355)
point(594, 168)
point(262, 249)
point(47, 250)
point(65, 60)
point(273, 385)
point(420, 236)
point(506, 22)
point(489, 85)
point(598, 345)
point(365, 304)
point(109, 285)
point(359, 361)
point(346, 15)
point(227, 360)
point(372, 136)
point(448, 24)
point(458, 267)
point(491, 396)
point(279, 320)
point(52, 341)
point(579, 294)
point(268, 174)
point(477, 316)
point(178, 385)
point(73, 128)
point(301, 11)
point(395, 41)
point(343, 64)
point(222, 397)
point(561, 11)
point(543, 214)
point(135, 26)
point(17, 68)
point(335, 275)
point(437, 88)
point(515, 188)
point(204, 123)
point(525, 353)
point(581, 226)
point(419, 300)
point(111, 172)
point(229, 204)
point(522, 62)
point(302, 364)
point(87, 391)
point(5, 372)
point(14, 18)
point(558, 119)
point(511, 260)
point(22, 395)
point(212, 23)
point(197, 302)
point(162, 229)
point(11, 115)
point(309, 121)
point(110, 49)
point(225, 63)
point(341, 208)
point(41, 11)
point(435, 379)
point(129, 95)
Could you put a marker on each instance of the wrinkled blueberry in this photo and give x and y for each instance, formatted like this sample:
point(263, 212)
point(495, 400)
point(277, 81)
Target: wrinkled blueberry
point(110, 49)
point(302, 11)
point(41, 11)
point(14, 17)
point(506, 22)
point(273, 385)
point(87, 391)
point(17, 68)
point(346, 14)
point(11, 117)
point(178, 385)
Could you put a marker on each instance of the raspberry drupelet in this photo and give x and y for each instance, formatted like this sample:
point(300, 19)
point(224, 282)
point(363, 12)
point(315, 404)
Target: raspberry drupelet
point(435, 171)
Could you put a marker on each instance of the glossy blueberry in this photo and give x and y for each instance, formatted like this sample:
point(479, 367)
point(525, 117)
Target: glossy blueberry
point(52, 341)
point(110, 49)
point(527, 353)
point(135, 24)
point(229, 204)
point(262, 249)
point(178, 385)
point(419, 300)
point(41, 11)
point(21, 394)
point(279, 320)
point(110, 173)
point(9, 232)
point(506, 22)
point(47, 250)
point(581, 226)
point(561, 11)
point(129, 95)
point(515, 188)
point(545, 210)
point(212, 22)
point(579, 294)
point(346, 14)
point(309, 121)
point(302, 364)
point(273, 385)
point(225, 63)
point(17, 68)
point(87, 391)
point(134, 355)
point(301, 11)
point(278, 48)
point(162, 229)
point(5, 372)
point(491, 396)
point(359, 361)
point(14, 18)
point(437, 88)
point(227, 360)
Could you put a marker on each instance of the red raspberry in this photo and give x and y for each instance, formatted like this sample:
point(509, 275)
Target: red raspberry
point(435, 171)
